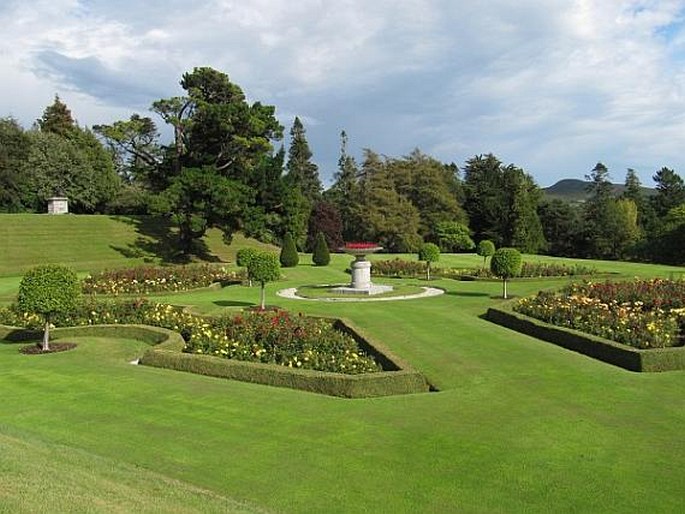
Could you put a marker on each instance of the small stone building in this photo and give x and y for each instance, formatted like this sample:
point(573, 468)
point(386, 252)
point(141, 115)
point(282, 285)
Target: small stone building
point(58, 205)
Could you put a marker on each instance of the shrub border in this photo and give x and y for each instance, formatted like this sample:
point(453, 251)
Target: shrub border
point(632, 359)
point(166, 352)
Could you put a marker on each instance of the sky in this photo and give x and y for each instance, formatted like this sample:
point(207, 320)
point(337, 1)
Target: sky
point(553, 86)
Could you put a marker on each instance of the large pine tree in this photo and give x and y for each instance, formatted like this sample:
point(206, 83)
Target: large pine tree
point(302, 172)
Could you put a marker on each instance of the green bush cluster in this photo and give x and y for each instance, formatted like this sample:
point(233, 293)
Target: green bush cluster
point(157, 279)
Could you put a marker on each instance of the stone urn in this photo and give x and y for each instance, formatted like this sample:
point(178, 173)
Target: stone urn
point(361, 270)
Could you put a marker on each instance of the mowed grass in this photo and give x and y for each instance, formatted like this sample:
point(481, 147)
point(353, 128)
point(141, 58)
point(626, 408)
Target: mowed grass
point(518, 424)
point(93, 243)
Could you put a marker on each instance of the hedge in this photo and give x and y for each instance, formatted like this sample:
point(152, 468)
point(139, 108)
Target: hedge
point(397, 378)
point(633, 359)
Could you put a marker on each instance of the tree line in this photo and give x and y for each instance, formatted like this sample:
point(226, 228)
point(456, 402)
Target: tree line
point(227, 167)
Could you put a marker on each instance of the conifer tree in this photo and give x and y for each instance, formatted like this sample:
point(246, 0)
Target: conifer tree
point(57, 119)
point(321, 256)
point(289, 257)
point(301, 170)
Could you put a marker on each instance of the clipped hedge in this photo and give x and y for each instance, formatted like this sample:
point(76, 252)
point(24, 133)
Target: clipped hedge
point(633, 359)
point(401, 379)
point(144, 333)
point(167, 352)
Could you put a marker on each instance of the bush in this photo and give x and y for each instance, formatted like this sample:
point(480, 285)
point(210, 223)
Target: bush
point(453, 236)
point(485, 249)
point(428, 253)
point(506, 263)
point(398, 268)
point(320, 255)
point(48, 291)
point(289, 257)
point(243, 258)
point(264, 267)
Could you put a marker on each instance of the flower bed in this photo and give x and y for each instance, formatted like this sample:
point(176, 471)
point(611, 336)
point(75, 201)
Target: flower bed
point(641, 313)
point(412, 269)
point(157, 279)
point(273, 337)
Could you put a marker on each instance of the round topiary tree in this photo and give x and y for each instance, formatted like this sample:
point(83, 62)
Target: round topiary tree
point(486, 248)
point(49, 290)
point(320, 255)
point(429, 252)
point(243, 258)
point(506, 263)
point(289, 257)
point(264, 267)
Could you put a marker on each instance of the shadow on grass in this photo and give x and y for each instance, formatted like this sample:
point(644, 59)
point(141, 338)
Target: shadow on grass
point(468, 294)
point(158, 240)
point(233, 303)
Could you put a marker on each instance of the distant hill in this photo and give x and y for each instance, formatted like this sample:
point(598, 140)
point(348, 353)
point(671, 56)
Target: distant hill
point(575, 190)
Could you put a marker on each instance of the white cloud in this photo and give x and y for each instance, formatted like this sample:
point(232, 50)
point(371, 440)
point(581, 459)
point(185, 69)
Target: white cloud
point(552, 85)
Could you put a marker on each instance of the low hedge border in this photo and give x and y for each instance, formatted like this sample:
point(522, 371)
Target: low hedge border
point(167, 352)
point(398, 377)
point(145, 333)
point(632, 359)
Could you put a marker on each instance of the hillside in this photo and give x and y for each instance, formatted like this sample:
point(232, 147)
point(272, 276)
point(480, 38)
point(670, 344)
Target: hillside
point(89, 243)
point(575, 190)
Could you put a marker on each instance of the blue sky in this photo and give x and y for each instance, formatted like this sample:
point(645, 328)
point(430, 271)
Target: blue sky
point(553, 86)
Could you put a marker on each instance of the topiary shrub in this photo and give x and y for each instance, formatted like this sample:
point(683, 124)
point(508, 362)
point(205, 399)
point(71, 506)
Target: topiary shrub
point(48, 291)
point(243, 258)
point(506, 263)
point(289, 257)
point(485, 249)
point(429, 252)
point(320, 255)
point(264, 267)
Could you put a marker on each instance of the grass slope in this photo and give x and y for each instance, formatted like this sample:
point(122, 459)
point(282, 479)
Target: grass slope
point(519, 424)
point(90, 243)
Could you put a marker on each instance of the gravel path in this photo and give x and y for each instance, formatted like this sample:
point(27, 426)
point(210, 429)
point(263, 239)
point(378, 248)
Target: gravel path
point(291, 293)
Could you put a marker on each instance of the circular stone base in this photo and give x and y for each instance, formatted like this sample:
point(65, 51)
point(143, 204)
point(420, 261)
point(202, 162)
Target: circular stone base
point(372, 289)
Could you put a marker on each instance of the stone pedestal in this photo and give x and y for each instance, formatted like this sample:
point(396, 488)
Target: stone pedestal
point(361, 274)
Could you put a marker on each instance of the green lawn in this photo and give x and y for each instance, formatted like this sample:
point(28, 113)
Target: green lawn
point(518, 424)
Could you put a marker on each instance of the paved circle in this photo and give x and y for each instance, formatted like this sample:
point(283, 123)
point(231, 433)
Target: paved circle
point(291, 293)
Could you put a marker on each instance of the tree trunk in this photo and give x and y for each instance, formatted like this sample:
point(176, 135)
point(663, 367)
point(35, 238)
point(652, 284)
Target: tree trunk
point(504, 286)
point(428, 271)
point(46, 336)
point(262, 303)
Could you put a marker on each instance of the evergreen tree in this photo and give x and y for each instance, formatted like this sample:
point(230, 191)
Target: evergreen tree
point(597, 235)
point(289, 257)
point(57, 119)
point(321, 255)
point(563, 228)
point(15, 145)
point(670, 191)
point(345, 194)
point(301, 171)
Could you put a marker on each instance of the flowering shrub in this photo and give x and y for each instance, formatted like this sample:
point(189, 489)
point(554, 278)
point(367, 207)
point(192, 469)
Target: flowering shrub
point(273, 337)
point(361, 246)
point(157, 279)
point(276, 337)
point(633, 313)
point(402, 268)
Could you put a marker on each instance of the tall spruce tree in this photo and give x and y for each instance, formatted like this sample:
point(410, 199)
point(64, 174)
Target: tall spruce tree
point(345, 193)
point(670, 191)
point(598, 240)
point(302, 172)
